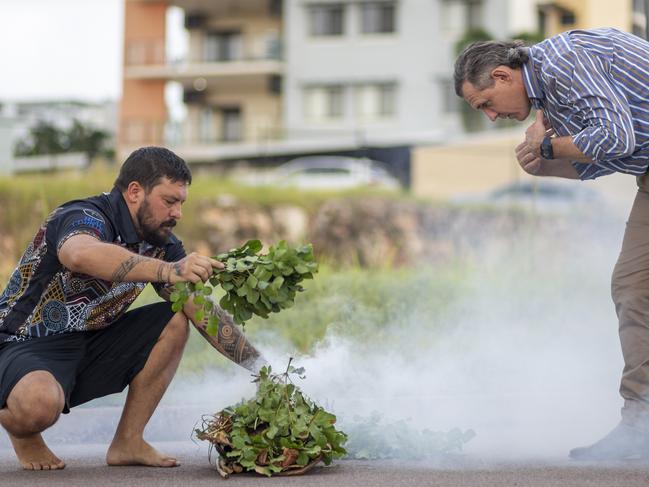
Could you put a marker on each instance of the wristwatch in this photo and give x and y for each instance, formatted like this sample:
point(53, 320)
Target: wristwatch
point(546, 148)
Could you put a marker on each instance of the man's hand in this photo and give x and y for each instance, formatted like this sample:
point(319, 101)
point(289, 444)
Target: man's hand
point(531, 163)
point(535, 134)
point(193, 268)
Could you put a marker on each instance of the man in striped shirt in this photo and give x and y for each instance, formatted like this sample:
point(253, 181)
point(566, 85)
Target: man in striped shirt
point(590, 90)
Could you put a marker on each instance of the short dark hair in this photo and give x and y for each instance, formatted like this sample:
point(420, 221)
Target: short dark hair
point(147, 165)
point(479, 58)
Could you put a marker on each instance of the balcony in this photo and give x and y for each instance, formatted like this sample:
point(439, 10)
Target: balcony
point(145, 60)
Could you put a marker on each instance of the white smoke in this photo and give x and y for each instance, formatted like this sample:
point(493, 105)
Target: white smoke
point(529, 358)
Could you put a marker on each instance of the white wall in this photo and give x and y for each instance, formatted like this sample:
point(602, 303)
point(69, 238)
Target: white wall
point(413, 57)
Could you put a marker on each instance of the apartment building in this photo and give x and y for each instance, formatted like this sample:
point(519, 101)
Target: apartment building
point(273, 78)
point(230, 77)
point(557, 16)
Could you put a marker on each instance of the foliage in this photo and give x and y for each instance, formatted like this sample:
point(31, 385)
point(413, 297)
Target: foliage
point(279, 429)
point(370, 439)
point(529, 37)
point(253, 284)
point(471, 36)
point(47, 138)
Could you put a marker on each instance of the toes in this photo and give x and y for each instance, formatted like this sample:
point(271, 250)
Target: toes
point(43, 466)
point(170, 462)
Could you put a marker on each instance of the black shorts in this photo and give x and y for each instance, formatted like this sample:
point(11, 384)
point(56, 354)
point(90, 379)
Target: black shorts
point(87, 364)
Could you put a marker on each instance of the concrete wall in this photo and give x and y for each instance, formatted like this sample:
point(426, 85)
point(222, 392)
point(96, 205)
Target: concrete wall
point(143, 112)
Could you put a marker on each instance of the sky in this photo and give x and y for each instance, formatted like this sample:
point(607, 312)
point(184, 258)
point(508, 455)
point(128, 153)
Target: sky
point(61, 49)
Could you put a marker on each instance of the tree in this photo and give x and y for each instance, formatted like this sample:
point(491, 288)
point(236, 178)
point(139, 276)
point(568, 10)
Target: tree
point(46, 138)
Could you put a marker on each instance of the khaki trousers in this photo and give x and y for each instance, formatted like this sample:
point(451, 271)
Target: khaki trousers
point(630, 292)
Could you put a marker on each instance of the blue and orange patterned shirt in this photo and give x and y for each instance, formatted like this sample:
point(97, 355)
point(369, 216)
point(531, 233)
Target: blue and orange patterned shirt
point(45, 298)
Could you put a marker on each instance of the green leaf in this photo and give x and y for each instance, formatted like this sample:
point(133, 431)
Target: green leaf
point(177, 306)
point(199, 315)
point(212, 325)
point(272, 431)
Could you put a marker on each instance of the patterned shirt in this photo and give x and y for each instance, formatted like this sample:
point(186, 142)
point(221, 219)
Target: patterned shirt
point(594, 85)
point(45, 298)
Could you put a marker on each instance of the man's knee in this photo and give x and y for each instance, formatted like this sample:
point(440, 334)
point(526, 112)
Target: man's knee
point(631, 302)
point(36, 401)
point(177, 329)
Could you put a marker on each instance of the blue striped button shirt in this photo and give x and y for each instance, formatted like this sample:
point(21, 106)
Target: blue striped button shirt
point(594, 85)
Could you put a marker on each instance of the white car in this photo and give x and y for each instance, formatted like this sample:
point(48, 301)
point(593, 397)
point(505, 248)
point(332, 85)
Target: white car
point(330, 172)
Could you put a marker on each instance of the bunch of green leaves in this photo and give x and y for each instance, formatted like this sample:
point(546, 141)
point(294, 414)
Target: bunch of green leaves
point(254, 284)
point(371, 438)
point(278, 428)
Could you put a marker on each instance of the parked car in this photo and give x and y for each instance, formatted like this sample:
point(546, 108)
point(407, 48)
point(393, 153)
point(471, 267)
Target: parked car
point(329, 172)
point(541, 195)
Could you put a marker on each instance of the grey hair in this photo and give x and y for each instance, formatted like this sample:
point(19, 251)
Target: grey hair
point(479, 58)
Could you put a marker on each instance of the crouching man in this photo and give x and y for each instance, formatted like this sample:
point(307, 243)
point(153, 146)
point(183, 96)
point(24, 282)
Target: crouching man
point(65, 335)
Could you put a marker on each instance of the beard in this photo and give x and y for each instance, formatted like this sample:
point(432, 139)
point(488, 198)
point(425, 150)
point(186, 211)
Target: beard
point(157, 234)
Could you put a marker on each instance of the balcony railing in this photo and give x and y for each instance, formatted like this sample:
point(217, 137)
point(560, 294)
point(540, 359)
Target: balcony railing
point(152, 53)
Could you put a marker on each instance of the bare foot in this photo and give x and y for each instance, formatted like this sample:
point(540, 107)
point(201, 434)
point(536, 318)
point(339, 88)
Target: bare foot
point(33, 453)
point(138, 452)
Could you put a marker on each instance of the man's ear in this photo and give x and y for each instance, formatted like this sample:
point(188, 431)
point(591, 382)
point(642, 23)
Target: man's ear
point(134, 192)
point(501, 73)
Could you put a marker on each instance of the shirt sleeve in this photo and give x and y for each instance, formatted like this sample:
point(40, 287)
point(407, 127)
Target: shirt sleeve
point(590, 171)
point(78, 219)
point(603, 110)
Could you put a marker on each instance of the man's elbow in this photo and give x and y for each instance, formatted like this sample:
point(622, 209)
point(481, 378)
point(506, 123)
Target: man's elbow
point(618, 147)
point(74, 258)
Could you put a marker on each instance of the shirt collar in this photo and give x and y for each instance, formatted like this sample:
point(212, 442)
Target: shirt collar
point(126, 229)
point(532, 86)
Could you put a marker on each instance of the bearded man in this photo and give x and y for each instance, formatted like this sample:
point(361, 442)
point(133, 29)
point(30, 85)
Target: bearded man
point(66, 336)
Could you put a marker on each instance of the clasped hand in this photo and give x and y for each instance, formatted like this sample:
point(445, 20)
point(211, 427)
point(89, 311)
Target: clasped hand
point(528, 152)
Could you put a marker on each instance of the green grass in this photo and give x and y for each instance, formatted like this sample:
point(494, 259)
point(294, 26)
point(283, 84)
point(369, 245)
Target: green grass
point(363, 305)
point(26, 200)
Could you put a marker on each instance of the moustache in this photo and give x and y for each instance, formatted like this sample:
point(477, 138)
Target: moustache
point(169, 223)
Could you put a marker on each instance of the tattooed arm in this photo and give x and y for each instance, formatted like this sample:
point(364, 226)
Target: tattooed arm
point(229, 340)
point(88, 255)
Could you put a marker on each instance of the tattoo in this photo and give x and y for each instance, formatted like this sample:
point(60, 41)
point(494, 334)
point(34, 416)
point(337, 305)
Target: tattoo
point(177, 268)
point(125, 267)
point(232, 343)
point(160, 273)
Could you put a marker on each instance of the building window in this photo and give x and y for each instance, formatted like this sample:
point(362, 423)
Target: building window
point(377, 17)
point(375, 101)
point(206, 125)
point(222, 46)
point(474, 14)
point(458, 16)
point(231, 126)
point(326, 19)
point(324, 103)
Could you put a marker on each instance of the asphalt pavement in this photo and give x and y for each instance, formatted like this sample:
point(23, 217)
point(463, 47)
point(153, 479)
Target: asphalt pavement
point(85, 466)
